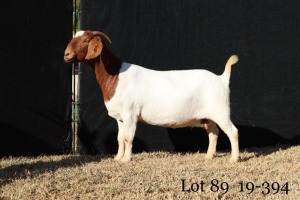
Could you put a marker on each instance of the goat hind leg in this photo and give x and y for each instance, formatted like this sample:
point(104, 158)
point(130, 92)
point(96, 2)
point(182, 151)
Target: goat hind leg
point(213, 133)
point(232, 133)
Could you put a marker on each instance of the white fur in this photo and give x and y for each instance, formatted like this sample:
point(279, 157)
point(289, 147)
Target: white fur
point(172, 99)
point(79, 33)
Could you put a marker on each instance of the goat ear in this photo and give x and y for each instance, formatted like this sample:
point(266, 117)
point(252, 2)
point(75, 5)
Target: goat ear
point(94, 48)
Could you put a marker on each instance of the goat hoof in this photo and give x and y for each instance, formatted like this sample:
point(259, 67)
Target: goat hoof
point(235, 159)
point(125, 159)
point(118, 157)
point(209, 156)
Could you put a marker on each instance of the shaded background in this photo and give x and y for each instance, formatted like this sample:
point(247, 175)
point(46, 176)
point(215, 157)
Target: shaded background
point(35, 83)
point(173, 34)
point(35, 100)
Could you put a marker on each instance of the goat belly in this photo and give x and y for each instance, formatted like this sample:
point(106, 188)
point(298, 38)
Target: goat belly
point(174, 124)
point(170, 116)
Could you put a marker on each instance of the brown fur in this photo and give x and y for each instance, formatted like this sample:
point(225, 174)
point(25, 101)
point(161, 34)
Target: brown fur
point(107, 72)
point(90, 49)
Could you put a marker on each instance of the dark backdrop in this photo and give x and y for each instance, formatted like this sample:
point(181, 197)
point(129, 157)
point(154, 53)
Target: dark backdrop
point(174, 34)
point(35, 83)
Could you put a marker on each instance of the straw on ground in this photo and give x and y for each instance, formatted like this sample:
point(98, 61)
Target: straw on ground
point(156, 175)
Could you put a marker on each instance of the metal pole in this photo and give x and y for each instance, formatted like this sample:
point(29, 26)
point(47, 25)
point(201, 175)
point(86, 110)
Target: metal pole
point(74, 127)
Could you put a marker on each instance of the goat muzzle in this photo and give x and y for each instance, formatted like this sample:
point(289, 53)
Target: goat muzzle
point(68, 57)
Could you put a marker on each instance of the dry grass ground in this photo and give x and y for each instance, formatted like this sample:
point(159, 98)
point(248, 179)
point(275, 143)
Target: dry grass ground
point(156, 175)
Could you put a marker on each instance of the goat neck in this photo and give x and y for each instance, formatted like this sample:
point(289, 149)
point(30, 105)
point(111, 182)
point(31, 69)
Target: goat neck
point(106, 68)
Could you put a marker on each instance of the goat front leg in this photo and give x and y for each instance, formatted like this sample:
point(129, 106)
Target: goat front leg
point(129, 132)
point(121, 144)
point(213, 133)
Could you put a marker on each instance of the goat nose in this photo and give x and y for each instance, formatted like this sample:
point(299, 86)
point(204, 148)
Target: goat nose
point(67, 53)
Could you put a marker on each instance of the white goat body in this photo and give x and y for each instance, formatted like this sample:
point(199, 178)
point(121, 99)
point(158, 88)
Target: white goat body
point(181, 98)
point(168, 98)
point(172, 99)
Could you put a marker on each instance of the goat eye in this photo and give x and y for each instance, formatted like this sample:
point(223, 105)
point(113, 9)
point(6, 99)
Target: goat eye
point(85, 40)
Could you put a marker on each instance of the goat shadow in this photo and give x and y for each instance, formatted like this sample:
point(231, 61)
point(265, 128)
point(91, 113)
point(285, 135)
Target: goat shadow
point(251, 138)
point(152, 138)
point(23, 170)
point(104, 140)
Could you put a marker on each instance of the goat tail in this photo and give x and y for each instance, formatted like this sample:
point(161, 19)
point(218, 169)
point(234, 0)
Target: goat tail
point(231, 61)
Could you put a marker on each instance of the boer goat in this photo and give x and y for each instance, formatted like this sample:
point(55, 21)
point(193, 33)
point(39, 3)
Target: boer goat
point(179, 98)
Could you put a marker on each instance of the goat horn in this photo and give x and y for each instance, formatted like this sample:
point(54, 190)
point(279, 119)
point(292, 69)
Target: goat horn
point(101, 34)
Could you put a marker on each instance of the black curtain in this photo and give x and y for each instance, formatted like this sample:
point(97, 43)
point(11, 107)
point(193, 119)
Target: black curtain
point(35, 100)
point(174, 34)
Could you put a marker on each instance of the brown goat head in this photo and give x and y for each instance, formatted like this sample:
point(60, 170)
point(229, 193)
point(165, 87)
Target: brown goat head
point(85, 45)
